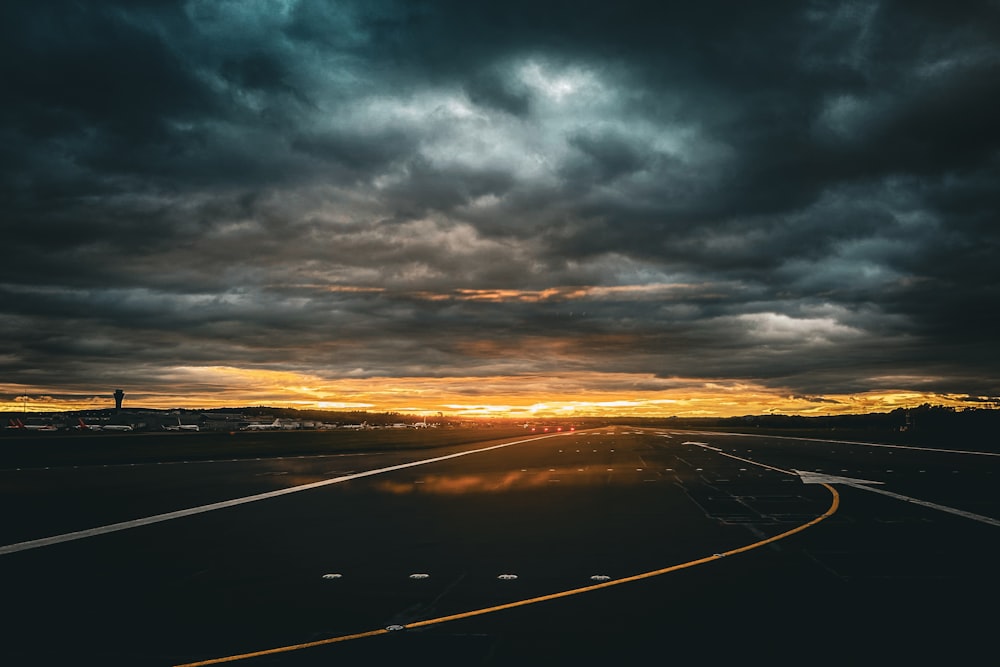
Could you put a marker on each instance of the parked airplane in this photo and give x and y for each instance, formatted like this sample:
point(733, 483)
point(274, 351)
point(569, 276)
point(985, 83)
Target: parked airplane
point(362, 425)
point(182, 427)
point(83, 426)
point(17, 423)
point(263, 427)
point(116, 427)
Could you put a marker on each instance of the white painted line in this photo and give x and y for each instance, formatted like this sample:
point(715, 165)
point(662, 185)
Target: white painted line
point(750, 461)
point(854, 442)
point(865, 484)
point(157, 518)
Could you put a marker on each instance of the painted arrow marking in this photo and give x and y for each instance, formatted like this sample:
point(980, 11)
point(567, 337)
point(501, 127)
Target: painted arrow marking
point(866, 485)
point(819, 478)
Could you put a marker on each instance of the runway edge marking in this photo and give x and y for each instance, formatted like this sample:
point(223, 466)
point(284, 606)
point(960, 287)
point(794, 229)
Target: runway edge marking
point(168, 516)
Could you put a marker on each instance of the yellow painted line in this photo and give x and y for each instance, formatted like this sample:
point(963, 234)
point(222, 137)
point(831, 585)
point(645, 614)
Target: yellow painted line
point(286, 649)
point(834, 506)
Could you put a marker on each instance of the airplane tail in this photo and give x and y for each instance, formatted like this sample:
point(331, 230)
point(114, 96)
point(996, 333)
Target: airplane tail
point(19, 423)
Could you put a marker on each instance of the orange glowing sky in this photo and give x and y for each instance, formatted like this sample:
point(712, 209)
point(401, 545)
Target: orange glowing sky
point(569, 395)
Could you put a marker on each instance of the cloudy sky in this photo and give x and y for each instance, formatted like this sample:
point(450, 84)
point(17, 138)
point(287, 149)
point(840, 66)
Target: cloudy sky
point(501, 207)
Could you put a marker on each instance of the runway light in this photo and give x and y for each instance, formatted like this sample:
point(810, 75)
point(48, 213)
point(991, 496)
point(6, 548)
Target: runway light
point(420, 575)
point(395, 628)
point(333, 575)
point(507, 577)
point(600, 577)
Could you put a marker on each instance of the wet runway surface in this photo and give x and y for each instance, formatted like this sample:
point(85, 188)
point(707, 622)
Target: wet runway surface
point(883, 578)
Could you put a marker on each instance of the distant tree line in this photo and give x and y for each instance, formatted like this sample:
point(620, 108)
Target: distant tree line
point(934, 425)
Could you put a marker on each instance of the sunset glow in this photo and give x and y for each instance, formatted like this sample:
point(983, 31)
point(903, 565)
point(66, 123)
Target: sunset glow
point(641, 209)
point(501, 396)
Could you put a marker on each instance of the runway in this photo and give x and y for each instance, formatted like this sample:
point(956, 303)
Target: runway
point(579, 548)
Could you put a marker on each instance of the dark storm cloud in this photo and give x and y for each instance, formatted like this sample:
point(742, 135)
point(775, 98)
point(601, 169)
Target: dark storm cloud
point(327, 186)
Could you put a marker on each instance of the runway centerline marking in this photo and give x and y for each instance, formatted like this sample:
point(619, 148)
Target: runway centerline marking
point(201, 509)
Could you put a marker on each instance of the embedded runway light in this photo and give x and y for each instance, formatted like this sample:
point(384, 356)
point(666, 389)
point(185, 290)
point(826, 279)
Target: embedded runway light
point(420, 575)
point(600, 577)
point(333, 575)
point(507, 577)
point(395, 628)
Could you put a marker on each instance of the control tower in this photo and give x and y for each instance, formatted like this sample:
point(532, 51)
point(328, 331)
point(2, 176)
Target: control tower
point(119, 395)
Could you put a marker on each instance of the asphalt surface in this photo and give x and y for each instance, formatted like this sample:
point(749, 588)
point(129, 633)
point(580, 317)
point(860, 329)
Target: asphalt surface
point(751, 556)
